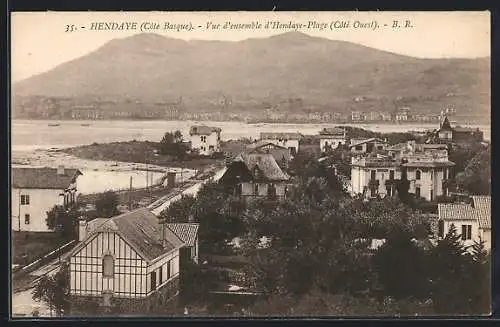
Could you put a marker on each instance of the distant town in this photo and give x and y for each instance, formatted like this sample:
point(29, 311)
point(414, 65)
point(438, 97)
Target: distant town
point(290, 111)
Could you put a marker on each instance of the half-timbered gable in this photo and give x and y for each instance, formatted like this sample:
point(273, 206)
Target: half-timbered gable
point(127, 256)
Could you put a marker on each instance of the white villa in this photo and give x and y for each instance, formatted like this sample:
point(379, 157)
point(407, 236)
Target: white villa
point(35, 191)
point(331, 138)
point(287, 140)
point(205, 139)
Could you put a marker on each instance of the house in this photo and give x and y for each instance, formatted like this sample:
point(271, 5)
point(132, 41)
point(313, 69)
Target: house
point(331, 138)
point(360, 146)
point(402, 114)
point(188, 233)
point(205, 139)
point(129, 262)
point(358, 116)
point(472, 221)
point(287, 140)
point(426, 167)
point(281, 154)
point(35, 191)
point(256, 175)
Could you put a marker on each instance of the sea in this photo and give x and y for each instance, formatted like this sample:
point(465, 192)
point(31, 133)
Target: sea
point(34, 139)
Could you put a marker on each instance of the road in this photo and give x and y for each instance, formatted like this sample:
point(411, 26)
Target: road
point(191, 190)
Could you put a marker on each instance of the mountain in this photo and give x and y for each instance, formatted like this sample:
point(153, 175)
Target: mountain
point(291, 65)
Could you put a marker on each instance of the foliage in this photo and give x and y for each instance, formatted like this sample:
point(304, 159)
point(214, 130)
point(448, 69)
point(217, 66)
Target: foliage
point(179, 211)
point(476, 177)
point(54, 290)
point(172, 144)
point(106, 204)
point(63, 220)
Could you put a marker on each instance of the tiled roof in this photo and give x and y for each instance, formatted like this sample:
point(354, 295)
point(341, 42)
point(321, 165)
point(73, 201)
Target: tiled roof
point(482, 204)
point(185, 231)
point(280, 136)
point(141, 229)
point(265, 163)
point(479, 211)
point(43, 178)
point(203, 130)
point(332, 131)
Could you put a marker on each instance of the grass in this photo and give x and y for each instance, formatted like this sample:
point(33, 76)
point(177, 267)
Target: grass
point(137, 152)
point(29, 246)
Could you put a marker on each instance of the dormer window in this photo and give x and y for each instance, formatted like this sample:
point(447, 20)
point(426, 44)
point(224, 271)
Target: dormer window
point(418, 175)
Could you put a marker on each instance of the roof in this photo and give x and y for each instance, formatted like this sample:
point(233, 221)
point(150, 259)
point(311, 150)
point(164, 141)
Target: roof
point(482, 203)
point(266, 164)
point(429, 164)
point(445, 126)
point(43, 178)
point(466, 130)
point(141, 229)
point(185, 231)
point(203, 130)
point(359, 142)
point(479, 211)
point(263, 143)
point(280, 136)
point(332, 131)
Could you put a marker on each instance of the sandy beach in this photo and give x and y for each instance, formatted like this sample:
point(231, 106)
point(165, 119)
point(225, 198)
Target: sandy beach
point(98, 175)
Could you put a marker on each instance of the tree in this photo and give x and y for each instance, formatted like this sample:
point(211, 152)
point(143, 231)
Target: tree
point(54, 290)
point(401, 267)
point(172, 144)
point(180, 211)
point(106, 205)
point(63, 221)
point(476, 177)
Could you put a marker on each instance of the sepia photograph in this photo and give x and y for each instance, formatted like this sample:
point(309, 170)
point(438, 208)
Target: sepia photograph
point(250, 164)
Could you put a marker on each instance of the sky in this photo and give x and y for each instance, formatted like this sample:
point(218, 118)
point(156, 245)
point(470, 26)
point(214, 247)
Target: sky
point(39, 41)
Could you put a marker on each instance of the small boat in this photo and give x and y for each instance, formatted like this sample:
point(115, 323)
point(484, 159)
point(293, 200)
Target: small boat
point(84, 124)
point(54, 124)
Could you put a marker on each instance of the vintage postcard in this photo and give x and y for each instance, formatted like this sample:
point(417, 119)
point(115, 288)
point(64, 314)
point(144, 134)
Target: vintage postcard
point(250, 164)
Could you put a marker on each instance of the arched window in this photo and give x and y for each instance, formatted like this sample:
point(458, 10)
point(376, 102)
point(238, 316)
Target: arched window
point(417, 174)
point(108, 266)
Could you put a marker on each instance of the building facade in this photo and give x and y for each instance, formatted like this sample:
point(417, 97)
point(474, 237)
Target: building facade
point(256, 176)
point(288, 140)
point(332, 138)
point(35, 191)
point(129, 258)
point(472, 221)
point(281, 154)
point(206, 140)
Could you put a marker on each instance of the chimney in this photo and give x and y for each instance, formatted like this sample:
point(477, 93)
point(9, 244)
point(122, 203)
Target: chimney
point(82, 229)
point(60, 170)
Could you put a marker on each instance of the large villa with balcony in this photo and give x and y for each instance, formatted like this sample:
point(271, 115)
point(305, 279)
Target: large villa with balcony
point(427, 168)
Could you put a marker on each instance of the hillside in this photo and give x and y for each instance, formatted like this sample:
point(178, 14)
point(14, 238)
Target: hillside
point(319, 71)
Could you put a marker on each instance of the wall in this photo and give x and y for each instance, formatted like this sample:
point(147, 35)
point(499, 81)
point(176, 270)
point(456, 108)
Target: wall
point(212, 140)
point(486, 237)
point(172, 259)
point(285, 143)
point(445, 135)
point(41, 201)
point(360, 177)
point(130, 272)
point(247, 189)
point(364, 147)
point(430, 179)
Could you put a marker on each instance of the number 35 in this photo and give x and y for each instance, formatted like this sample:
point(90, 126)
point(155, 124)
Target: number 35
point(70, 28)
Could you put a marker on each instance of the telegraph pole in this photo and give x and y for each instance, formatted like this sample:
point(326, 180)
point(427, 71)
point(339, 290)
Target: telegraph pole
point(19, 210)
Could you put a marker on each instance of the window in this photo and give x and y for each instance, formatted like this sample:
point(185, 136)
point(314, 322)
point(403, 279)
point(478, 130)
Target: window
point(25, 199)
point(358, 147)
point(417, 191)
point(441, 228)
point(432, 195)
point(466, 232)
point(153, 280)
point(169, 270)
point(255, 189)
point(391, 174)
point(27, 219)
point(379, 147)
point(108, 266)
point(271, 190)
point(418, 174)
point(239, 189)
point(160, 275)
point(373, 174)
